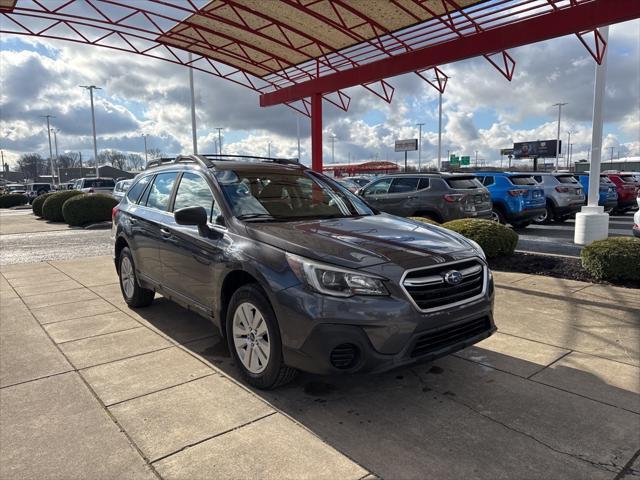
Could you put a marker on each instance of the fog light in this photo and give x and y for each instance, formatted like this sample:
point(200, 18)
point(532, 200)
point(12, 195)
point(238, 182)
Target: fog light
point(345, 356)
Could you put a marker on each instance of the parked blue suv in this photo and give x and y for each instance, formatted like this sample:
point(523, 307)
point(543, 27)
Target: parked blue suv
point(516, 197)
point(608, 197)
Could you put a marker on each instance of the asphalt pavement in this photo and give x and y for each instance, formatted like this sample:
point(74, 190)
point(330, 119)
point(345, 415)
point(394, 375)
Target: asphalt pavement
point(557, 238)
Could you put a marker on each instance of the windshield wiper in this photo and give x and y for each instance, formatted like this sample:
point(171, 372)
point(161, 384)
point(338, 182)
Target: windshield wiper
point(256, 216)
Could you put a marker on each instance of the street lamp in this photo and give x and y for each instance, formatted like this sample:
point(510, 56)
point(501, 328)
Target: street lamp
point(559, 105)
point(91, 88)
point(146, 158)
point(269, 149)
point(194, 134)
point(50, 150)
point(568, 162)
point(420, 146)
point(333, 145)
point(219, 139)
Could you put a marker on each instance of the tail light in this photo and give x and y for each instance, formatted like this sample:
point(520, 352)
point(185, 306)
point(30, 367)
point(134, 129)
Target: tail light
point(453, 197)
point(114, 212)
point(562, 189)
point(517, 193)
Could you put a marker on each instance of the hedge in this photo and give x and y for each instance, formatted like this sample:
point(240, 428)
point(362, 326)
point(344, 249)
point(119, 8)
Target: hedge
point(84, 209)
point(495, 239)
point(9, 200)
point(424, 220)
point(613, 259)
point(38, 202)
point(52, 207)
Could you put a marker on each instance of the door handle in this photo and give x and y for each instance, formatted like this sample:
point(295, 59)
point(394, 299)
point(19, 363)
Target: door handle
point(165, 232)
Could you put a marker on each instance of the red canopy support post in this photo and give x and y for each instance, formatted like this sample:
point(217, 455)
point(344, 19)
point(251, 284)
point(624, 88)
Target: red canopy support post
point(316, 132)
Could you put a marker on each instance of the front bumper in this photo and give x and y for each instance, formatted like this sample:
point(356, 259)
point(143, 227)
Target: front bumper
point(386, 332)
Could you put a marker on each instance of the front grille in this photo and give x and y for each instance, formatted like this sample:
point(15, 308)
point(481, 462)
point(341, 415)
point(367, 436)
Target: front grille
point(428, 289)
point(434, 341)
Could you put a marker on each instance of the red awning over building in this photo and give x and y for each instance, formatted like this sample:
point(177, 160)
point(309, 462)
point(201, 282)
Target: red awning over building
point(363, 168)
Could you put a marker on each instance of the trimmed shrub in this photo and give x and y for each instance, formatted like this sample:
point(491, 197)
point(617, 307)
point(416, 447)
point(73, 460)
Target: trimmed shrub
point(38, 202)
point(83, 209)
point(495, 239)
point(9, 200)
point(424, 220)
point(52, 206)
point(613, 259)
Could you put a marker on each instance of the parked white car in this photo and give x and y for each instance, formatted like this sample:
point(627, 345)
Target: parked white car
point(121, 188)
point(95, 185)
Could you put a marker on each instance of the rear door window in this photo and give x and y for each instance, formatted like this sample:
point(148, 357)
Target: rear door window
point(486, 181)
point(403, 185)
point(463, 183)
point(160, 192)
point(424, 183)
point(136, 190)
point(522, 180)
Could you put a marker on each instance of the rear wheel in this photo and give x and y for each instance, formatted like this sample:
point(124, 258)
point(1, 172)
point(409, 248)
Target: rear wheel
point(135, 295)
point(254, 339)
point(544, 217)
point(497, 216)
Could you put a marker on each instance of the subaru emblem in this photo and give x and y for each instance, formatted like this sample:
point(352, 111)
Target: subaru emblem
point(453, 277)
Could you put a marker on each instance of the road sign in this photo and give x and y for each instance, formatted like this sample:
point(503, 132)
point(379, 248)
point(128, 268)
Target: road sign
point(408, 145)
point(466, 160)
point(506, 151)
point(454, 161)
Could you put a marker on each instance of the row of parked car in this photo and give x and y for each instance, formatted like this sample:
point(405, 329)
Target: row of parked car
point(107, 186)
point(518, 198)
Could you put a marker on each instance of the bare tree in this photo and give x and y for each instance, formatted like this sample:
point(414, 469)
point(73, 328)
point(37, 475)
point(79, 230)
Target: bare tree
point(32, 165)
point(114, 158)
point(154, 153)
point(69, 160)
point(135, 161)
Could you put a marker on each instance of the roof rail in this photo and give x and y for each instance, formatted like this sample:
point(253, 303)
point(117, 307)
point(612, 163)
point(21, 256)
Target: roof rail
point(156, 162)
point(231, 158)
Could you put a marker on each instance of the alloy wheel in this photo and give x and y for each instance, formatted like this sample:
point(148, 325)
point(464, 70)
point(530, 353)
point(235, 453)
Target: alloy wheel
point(251, 337)
point(127, 277)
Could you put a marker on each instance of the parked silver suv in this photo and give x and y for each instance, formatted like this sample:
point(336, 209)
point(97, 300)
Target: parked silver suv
point(564, 195)
point(439, 196)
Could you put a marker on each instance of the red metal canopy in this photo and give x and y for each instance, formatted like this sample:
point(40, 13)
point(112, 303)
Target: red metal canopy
point(298, 52)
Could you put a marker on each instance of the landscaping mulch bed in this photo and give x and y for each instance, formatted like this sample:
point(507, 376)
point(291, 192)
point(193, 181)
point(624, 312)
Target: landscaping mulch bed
point(552, 266)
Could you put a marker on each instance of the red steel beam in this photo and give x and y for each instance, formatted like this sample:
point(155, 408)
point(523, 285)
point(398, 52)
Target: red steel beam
point(557, 23)
point(316, 132)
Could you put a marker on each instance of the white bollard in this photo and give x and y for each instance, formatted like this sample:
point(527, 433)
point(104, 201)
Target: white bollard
point(591, 224)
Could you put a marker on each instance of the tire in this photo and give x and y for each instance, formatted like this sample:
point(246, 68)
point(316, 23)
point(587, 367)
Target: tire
point(252, 330)
point(520, 225)
point(134, 295)
point(545, 217)
point(497, 216)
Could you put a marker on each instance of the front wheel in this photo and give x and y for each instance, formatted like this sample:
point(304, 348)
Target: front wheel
point(497, 216)
point(133, 293)
point(254, 339)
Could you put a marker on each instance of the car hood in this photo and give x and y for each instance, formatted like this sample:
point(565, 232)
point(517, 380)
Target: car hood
point(361, 242)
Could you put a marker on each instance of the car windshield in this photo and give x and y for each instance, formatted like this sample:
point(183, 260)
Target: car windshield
point(522, 180)
point(286, 195)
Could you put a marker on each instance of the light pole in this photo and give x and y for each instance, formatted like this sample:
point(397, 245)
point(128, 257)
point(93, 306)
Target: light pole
point(55, 143)
point(420, 146)
point(91, 88)
point(269, 149)
point(440, 129)
point(219, 139)
point(333, 144)
point(50, 150)
point(298, 131)
point(193, 108)
point(559, 105)
point(568, 145)
point(146, 157)
point(476, 158)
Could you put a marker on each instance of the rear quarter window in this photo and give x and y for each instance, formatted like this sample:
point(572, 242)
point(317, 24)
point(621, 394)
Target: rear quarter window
point(566, 179)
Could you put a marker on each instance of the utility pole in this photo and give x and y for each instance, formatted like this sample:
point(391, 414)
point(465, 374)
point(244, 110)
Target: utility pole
point(568, 146)
point(559, 105)
point(81, 168)
point(50, 150)
point(219, 139)
point(570, 154)
point(269, 149)
point(91, 88)
point(55, 142)
point(2, 155)
point(420, 146)
point(194, 133)
point(298, 131)
point(476, 158)
point(611, 157)
point(333, 144)
point(146, 157)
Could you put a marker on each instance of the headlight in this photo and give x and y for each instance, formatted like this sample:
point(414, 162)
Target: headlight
point(335, 281)
point(477, 247)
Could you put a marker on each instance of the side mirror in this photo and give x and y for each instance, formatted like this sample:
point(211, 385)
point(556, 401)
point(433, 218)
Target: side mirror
point(195, 216)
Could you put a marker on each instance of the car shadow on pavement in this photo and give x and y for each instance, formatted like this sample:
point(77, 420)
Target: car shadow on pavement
point(489, 415)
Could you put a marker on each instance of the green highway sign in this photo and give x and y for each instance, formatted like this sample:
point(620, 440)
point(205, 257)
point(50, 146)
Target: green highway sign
point(454, 160)
point(466, 160)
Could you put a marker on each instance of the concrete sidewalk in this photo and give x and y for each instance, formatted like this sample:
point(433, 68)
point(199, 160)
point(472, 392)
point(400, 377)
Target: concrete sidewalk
point(92, 389)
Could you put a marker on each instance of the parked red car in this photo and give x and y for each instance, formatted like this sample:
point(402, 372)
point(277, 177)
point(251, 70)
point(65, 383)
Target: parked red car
point(627, 188)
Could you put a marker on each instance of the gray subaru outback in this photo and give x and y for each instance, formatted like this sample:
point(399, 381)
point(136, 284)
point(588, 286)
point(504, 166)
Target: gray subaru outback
point(437, 196)
point(295, 271)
